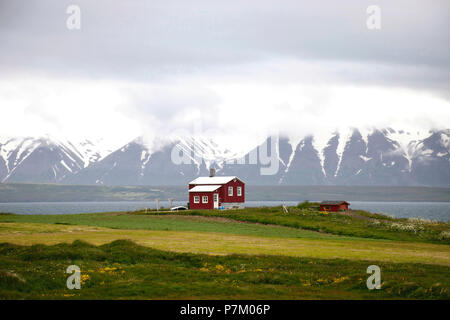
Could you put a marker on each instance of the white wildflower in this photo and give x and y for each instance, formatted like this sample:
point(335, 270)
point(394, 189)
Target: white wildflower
point(444, 235)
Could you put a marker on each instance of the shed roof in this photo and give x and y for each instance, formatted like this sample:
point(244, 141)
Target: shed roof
point(213, 180)
point(334, 202)
point(204, 188)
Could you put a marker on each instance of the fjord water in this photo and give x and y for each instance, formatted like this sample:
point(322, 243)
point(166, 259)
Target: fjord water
point(429, 210)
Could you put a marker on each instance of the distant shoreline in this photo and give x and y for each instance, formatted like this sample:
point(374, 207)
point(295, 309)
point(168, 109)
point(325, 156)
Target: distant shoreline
point(429, 210)
point(27, 192)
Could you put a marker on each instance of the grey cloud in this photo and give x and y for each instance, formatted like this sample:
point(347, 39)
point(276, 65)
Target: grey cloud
point(165, 108)
point(152, 40)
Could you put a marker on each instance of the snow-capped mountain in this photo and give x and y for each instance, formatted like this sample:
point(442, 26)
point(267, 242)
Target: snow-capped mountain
point(431, 159)
point(356, 157)
point(90, 151)
point(348, 157)
point(372, 157)
point(44, 159)
point(170, 162)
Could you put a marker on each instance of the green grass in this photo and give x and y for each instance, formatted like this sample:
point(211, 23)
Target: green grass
point(122, 269)
point(362, 224)
point(219, 243)
point(169, 223)
point(254, 253)
point(262, 222)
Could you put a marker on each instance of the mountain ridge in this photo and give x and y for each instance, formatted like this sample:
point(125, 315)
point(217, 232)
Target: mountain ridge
point(350, 157)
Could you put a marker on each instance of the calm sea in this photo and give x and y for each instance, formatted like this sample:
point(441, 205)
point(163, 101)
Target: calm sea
point(429, 210)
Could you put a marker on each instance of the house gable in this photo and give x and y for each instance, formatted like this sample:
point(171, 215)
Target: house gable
point(227, 189)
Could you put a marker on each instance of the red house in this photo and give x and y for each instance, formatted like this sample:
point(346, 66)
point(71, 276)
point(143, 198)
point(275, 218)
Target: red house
point(334, 206)
point(216, 193)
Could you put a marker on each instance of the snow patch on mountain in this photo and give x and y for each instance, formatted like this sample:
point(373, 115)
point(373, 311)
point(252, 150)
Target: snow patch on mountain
point(293, 141)
point(16, 150)
point(91, 151)
point(445, 140)
point(365, 133)
point(365, 158)
point(409, 142)
point(145, 158)
point(66, 166)
point(320, 142)
point(344, 137)
point(205, 150)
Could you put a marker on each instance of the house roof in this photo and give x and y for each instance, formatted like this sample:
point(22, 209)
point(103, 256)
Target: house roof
point(334, 202)
point(212, 180)
point(204, 188)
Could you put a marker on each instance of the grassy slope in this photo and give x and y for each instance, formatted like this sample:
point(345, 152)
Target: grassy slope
point(205, 232)
point(169, 223)
point(124, 270)
point(365, 225)
point(223, 243)
point(306, 264)
point(299, 221)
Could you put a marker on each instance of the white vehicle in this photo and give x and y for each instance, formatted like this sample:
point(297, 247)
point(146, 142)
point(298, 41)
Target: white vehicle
point(178, 208)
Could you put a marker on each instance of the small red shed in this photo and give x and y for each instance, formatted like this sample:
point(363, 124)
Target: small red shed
point(334, 206)
point(216, 192)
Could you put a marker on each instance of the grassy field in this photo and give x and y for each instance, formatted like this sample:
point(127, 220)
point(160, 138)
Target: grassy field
point(168, 222)
point(258, 253)
point(355, 224)
point(220, 243)
point(123, 269)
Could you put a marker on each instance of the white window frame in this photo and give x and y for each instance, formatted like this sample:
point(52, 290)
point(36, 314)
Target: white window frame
point(239, 191)
point(203, 199)
point(230, 191)
point(196, 199)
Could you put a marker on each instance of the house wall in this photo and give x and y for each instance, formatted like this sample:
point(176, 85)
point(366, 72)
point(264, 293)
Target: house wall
point(201, 205)
point(333, 208)
point(329, 207)
point(223, 195)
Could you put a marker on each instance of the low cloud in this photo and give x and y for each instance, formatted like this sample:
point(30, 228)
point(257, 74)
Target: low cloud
point(234, 70)
point(150, 41)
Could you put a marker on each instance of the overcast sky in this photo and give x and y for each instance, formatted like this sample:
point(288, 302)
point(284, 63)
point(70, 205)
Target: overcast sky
point(238, 68)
